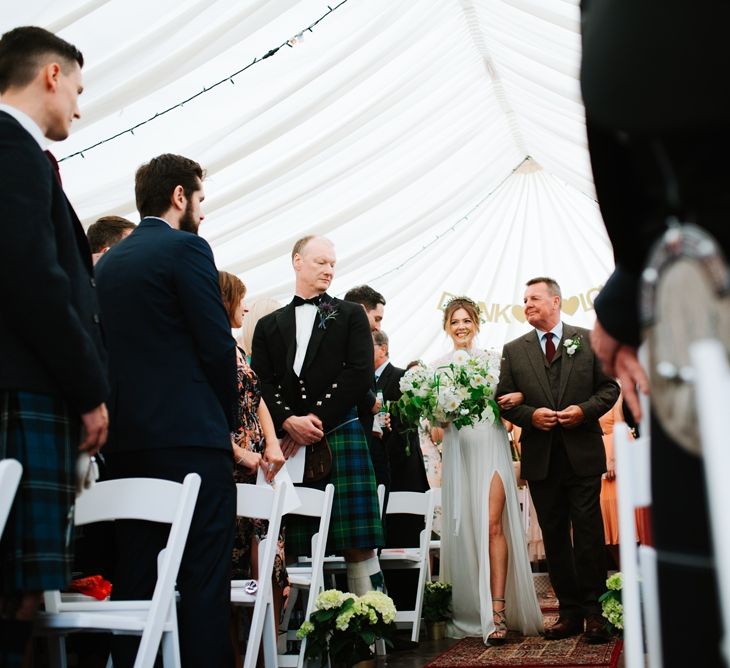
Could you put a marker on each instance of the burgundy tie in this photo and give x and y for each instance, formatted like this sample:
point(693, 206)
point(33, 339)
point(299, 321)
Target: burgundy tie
point(549, 347)
point(54, 164)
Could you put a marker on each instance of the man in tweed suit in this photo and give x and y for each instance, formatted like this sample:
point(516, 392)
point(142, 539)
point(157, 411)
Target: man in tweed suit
point(52, 391)
point(314, 358)
point(563, 458)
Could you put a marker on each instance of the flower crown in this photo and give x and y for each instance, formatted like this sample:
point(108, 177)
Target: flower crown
point(468, 300)
point(464, 300)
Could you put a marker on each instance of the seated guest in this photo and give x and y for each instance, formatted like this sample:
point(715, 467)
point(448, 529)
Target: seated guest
point(106, 232)
point(255, 446)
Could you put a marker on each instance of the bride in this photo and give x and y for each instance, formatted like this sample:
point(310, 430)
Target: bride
point(483, 545)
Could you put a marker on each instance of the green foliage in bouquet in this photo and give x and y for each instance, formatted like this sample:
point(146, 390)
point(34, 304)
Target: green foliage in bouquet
point(611, 604)
point(461, 392)
point(437, 602)
point(343, 626)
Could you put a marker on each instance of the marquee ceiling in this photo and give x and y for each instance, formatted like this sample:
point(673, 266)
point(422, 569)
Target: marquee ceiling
point(439, 143)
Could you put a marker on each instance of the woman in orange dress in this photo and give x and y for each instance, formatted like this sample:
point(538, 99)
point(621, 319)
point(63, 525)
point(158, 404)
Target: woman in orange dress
point(609, 498)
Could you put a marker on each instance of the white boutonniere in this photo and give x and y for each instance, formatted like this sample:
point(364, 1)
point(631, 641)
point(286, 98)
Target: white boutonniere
point(573, 345)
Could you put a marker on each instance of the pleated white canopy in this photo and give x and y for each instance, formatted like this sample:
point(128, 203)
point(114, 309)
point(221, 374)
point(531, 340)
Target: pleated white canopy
point(439, 143)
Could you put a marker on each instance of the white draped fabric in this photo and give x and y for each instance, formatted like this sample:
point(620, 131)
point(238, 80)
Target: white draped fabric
point(399, 128)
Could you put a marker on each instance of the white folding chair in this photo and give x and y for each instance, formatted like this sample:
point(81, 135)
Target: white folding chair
point(308, 577)
point(155, 620)
point(265, 503)
point(712, 380)
point(638, 566)
point(10, 472)
point(334, 564)
point(420, 504)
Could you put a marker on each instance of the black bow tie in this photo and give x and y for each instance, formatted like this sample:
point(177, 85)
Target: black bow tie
point(299, 301)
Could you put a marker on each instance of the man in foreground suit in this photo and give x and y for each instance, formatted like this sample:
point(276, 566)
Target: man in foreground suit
point(314, 358)
point(563, 458)
point(658, 153)
point(51, 393)
point(172, 364)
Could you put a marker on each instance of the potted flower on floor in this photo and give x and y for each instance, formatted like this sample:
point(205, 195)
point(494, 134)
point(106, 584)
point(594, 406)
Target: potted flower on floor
point(436, 608)
point(611, 604)
point(344, 627)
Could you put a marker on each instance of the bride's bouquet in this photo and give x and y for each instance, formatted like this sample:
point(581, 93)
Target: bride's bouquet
point(460, 391)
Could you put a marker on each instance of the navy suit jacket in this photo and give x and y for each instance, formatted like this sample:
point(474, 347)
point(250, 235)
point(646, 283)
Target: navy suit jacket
point(172, 359)
point(50, 334)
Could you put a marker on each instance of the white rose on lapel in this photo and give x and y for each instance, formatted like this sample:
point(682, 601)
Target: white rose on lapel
point(573, 345)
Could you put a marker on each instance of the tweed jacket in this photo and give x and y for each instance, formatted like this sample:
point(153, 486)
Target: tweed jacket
point(581, 383)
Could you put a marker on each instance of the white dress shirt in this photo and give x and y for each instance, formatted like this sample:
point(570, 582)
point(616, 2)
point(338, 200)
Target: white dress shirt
point(305, 315)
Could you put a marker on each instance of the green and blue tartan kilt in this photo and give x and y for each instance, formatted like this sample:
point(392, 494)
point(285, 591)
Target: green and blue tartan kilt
point(355, 519)
point(39, 431)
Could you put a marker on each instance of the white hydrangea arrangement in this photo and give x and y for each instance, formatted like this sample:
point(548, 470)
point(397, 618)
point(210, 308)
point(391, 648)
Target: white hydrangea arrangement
point(460, 392)
point(344, 627)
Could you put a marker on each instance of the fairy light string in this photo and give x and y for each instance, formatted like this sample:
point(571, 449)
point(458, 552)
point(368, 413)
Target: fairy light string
point(291, 42)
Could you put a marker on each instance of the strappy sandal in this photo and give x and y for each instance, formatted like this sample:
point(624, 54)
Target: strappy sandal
point(500, 624)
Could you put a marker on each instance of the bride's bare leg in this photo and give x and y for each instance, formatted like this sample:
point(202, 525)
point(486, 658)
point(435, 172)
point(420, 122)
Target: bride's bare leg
point(497, 557)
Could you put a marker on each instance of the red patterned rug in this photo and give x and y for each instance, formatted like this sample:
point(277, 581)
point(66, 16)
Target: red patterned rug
point(532, 652)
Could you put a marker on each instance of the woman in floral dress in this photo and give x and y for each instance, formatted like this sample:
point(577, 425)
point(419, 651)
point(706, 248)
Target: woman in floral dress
point(255, 446)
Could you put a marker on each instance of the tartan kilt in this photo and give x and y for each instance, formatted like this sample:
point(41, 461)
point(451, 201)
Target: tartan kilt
point(355, 521)
point(41, 433)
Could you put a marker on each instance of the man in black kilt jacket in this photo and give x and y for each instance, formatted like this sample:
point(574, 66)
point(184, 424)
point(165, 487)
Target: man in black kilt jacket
point(314, 358)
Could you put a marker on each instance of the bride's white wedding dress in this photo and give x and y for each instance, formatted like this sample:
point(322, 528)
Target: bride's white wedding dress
point(471, 457)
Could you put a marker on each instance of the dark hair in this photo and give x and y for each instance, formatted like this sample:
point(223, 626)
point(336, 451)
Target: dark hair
point(107, 231)
point(469, 305)
point(552, 285)
point(365, 295)
point(233, 291)
point(155, 182)
point(23, 51)
point(413, 363)
point(380, 338)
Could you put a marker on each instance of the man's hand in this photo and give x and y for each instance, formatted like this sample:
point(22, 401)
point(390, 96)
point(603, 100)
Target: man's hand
point(544, 419)
point(605, 347)
point(304, 429)
point(631, 375)
point(289, 447)
point(571, 416)
point(95, 429)
point(376, 407)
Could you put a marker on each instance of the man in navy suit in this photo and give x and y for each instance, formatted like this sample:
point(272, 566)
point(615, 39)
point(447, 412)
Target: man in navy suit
point(52, 389)
point(172, 367)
